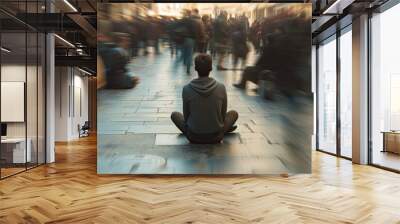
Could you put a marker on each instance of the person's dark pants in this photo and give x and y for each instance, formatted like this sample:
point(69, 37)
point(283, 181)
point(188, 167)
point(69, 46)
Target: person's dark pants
point(251, 74)
point(134, 48)
point(230, 119)
point(157, 45)
point(201, 47)
point(188, 47)
point(173, 48)
point(117, 78)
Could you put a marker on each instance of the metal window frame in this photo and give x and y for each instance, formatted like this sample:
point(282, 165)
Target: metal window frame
point(337, 34)
point(44, 75)
point(387, 5)
point(381, 9)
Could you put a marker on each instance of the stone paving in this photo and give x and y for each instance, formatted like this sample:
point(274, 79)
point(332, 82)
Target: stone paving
point(136, 136)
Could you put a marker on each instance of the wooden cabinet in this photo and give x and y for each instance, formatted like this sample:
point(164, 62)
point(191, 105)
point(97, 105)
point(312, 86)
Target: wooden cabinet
point(391, 142)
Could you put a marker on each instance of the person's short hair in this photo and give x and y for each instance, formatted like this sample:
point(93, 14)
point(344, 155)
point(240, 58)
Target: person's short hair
point(203, 64)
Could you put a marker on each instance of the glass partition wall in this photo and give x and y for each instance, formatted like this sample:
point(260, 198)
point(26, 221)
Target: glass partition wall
point(22, 77)
point(334, 94)
point(385, 89)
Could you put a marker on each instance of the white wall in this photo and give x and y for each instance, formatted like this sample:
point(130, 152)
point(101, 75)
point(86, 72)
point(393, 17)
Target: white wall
point(62, 81)
point(16, 73)
point(33, 126)
point(71, 102)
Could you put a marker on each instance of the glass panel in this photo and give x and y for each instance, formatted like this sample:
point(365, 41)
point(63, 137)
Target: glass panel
point(385, 84)
point(31, 98)
point(13, 87)
point(41, 99)
point(327, 96)
point(346, 94)
point(23, 92)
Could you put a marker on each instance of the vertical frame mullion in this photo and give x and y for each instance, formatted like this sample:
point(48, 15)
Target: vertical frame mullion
point(37, 88)
point(44, 69)
point(338, 93)
point(317, 96)
point(1, 53)
point(26, 86)
point(73, 92)
point(369, 90)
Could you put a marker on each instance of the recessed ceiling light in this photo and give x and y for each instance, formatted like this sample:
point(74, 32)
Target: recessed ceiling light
point(65, 41)
point(70, 5)
point(84, 71)
point(337, 7)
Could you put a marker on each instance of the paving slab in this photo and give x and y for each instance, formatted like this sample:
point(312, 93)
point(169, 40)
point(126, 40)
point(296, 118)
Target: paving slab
point(136, 135)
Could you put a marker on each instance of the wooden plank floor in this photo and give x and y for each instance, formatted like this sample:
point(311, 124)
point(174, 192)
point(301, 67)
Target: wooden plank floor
point(70, 191)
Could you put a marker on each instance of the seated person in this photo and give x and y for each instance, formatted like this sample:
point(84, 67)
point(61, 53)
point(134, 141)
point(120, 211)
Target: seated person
point(115, 59)
point(205, 119)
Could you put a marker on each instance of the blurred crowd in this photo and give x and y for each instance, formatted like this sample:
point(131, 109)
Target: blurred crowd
point(282, 43)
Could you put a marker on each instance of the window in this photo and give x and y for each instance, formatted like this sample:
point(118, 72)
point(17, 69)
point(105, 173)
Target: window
point(346, 93)
point(385, 89)
point(326, 104)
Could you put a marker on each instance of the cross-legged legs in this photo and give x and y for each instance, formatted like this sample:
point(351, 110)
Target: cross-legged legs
point(230, 119)
point(229, 123)
point(179, 121)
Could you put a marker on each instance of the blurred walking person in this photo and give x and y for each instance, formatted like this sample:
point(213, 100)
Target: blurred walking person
point(221, 37)
point(208, 31)
point(188, 41)
point(200, 31)
point(115, 58)
point(240, 48)
point(152, 35)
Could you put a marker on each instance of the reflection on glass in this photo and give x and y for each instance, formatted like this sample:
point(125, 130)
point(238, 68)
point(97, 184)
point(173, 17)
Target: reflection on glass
point(346, 94)
point(386, 89)
point(327, 96)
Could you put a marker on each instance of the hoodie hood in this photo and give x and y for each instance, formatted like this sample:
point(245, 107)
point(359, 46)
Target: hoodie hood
point(204, 86)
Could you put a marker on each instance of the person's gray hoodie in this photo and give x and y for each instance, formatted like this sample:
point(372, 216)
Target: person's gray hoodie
point(204, 105)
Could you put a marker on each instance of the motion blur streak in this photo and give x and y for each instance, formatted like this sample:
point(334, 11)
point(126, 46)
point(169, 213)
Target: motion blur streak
point(261, 52)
